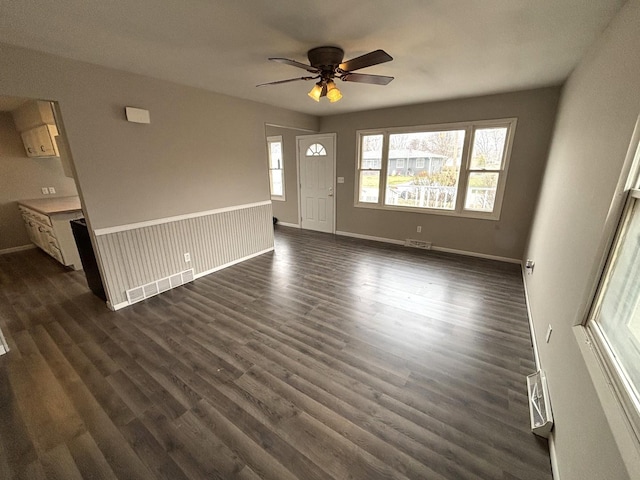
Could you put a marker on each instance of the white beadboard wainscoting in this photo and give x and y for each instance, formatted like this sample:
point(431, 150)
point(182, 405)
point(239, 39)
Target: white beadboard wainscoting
point(137, 254)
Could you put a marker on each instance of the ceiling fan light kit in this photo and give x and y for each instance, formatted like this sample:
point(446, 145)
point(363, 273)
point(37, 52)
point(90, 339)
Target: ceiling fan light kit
point(326, 64)
point(316, 91)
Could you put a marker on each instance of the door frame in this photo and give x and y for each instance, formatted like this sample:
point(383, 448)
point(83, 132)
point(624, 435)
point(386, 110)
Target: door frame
point(334, 139)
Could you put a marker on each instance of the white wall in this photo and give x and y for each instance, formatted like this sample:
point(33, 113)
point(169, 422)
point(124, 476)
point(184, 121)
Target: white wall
point(599, 107)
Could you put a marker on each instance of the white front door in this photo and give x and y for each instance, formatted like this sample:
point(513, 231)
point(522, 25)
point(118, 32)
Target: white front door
point(316, 163)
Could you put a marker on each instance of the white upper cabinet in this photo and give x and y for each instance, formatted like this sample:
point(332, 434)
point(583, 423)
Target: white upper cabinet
point(36, 123)
point(40, 141)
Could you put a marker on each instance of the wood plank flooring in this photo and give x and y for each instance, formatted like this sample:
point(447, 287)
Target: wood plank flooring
point(331, 358)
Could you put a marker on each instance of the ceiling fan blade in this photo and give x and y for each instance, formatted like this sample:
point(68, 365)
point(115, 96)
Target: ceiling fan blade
point(293, 63)
point(368, 59)
point(362, 78)
point(286, 81)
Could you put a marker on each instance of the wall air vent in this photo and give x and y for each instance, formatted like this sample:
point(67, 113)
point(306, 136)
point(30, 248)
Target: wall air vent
point(162, 285)
point(135, 294)
point(539, 405)
point(410, 242)
point(187, 276)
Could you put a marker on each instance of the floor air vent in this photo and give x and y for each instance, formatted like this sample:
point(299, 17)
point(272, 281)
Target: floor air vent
point(410, 242)
point(154, 288)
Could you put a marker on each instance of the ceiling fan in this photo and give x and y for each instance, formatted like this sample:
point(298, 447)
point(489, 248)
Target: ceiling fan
point(326, 65)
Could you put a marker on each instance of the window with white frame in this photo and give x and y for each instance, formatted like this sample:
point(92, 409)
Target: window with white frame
point(276, 167)
point(614, 320)
point(467, 171)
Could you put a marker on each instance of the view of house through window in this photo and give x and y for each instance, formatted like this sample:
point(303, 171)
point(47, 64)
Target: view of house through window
point(459, 169)
point(435, 183)
point(276, 167)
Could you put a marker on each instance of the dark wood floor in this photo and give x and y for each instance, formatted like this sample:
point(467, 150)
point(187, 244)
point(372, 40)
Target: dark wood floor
point(330, 358)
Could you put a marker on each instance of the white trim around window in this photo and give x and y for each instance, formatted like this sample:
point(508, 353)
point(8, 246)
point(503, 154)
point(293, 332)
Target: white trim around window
point(472, 160)
point(608, 334)
point(275, 156)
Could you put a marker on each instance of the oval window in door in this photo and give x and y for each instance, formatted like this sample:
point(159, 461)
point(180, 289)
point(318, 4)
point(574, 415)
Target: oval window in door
point(316, 150)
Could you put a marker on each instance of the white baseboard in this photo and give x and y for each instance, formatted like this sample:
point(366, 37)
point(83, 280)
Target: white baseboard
point(118, 306)
point(285, 224)
point(17, 249)
point(536, 356)
point(477, 255)
point(554, 458)
point(434, 248)
point(369, 237)
point(239, 260)
point(530, 317)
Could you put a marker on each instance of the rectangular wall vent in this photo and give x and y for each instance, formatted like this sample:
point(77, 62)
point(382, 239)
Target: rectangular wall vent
point(135, 294)
point(410, 242)
point(539, 405)
point(162, 285)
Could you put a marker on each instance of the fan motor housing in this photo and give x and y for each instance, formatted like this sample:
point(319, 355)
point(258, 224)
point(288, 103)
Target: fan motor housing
point(325, 58)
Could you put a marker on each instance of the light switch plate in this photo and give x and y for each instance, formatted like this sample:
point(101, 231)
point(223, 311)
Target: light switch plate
point(45, 191)
point(340, 179)
point(52, 190)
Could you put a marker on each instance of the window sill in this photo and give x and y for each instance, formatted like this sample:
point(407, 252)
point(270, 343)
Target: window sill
point(278, 199)
point(495, 216)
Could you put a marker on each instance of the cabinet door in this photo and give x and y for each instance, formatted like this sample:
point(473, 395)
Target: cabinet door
point(32, 230)
point(38, 142)
point(44, 141)
point(30, 143)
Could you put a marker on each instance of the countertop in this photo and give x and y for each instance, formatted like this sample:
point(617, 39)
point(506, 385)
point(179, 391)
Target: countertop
point(51, 206)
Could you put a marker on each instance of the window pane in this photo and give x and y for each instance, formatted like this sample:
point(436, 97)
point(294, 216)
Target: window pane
point(488, 148)
point(369, 186)
point(275, 155)
point(423, 169)
point(276, 182)
point(316, 150)
point(371, 152)
point(619, 316)
point(481, 192)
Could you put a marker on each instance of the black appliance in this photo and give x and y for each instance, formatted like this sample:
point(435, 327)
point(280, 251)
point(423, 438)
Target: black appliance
point(88, 257)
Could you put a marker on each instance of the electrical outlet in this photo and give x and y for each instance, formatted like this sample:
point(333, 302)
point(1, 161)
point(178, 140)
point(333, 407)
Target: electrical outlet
point(187, 257)
point(419, 229)
point(45, 191)
point(52, 190)
point(549, 330)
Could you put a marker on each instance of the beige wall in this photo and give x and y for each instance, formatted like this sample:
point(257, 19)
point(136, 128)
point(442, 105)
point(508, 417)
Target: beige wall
point(22, 178)
point(287, 211)
point(599, 107)
point(202, 150)
point(535, 110)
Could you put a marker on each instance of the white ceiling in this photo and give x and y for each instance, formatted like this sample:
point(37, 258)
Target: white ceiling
point(442, 48)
